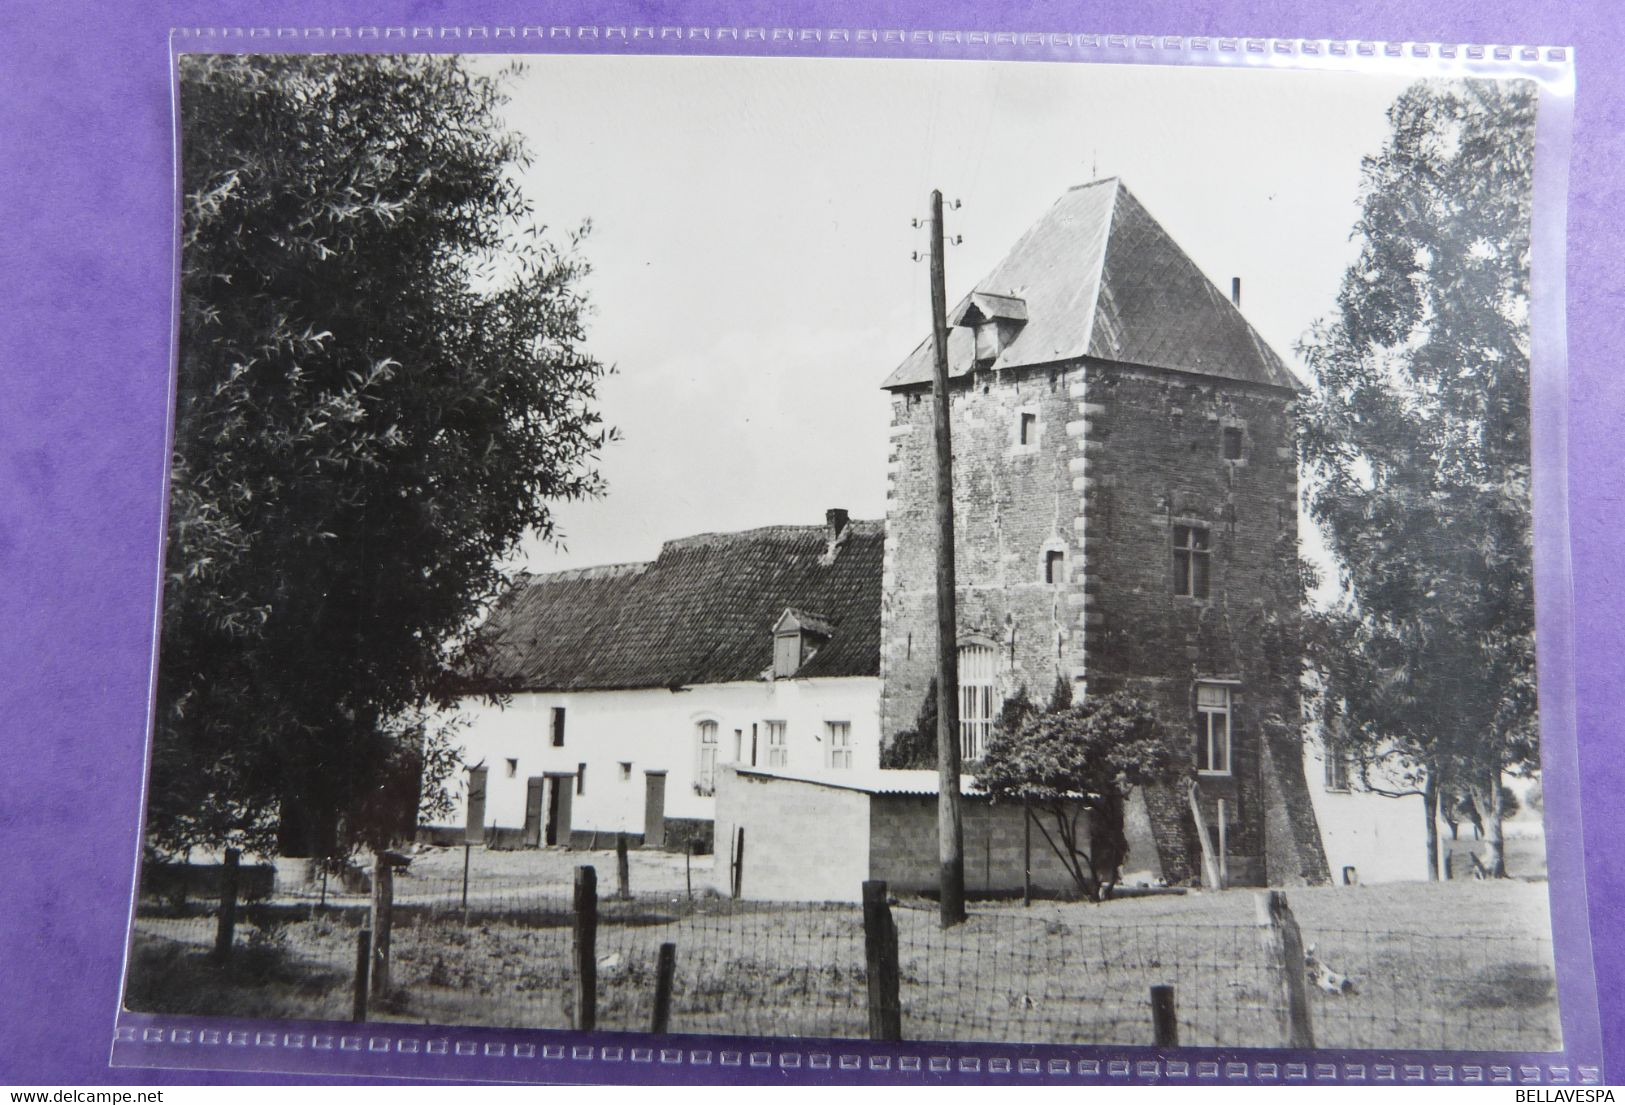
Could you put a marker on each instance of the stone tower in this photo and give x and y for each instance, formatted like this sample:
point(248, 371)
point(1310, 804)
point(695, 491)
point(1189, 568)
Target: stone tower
point(1125, 494)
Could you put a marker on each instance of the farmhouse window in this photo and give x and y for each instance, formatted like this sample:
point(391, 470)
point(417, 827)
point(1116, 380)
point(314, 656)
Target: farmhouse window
point(976, 700)
point(581, 778)
point(1232, 442)
point(1027, 430)
point(705, 775)
point(1054, 566)
point(840, 743)
point(626, 771)
point(778, 751)
point(1212, 729)
point(558, 727)
point(1191, 554)
point(1337, 770)
point(513, 768)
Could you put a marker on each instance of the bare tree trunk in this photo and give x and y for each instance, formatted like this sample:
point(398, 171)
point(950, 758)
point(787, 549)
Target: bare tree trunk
point(1487, 797)
point(1430, 810)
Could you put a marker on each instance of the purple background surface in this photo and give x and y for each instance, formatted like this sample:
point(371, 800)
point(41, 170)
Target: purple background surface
point(85, 163)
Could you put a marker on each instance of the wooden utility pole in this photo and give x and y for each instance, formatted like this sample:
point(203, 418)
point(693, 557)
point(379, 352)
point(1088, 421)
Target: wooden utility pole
point(950, 831)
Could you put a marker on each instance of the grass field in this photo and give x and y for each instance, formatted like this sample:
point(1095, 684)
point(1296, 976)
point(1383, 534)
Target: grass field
point(1464, 965)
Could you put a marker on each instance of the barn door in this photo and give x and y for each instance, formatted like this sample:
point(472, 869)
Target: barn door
point(533, 811)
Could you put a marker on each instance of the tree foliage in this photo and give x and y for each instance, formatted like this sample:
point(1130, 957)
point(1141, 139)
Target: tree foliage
point(917, 747)
point(381, 386)
point(1074, 768)
point(1416, 440)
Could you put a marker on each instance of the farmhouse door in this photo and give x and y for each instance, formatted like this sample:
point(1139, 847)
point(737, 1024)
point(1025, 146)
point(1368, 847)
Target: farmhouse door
point(654, 809)
point(551, 836)
point(533, 811)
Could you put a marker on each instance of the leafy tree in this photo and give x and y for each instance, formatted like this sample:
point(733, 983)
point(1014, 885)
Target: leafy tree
point(381, 387)
point(1074, 768)
point(916, 748)
point(1416, 440)
point(1061, 697)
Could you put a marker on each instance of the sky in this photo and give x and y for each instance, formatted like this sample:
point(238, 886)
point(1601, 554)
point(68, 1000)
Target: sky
point(751, 248)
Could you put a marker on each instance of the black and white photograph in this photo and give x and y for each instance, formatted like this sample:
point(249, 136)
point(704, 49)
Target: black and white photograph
point(913, 550)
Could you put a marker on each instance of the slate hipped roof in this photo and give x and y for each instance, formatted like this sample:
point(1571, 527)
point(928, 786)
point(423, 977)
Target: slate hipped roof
point(1099, 277)
point(703, 611)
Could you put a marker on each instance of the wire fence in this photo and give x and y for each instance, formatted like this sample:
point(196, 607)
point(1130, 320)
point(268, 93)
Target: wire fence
point(507, 952)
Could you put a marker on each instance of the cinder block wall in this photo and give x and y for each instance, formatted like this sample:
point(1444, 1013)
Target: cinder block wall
point(1011, 505)
point(903, 847)
point(804, 842)
point(1154, 459)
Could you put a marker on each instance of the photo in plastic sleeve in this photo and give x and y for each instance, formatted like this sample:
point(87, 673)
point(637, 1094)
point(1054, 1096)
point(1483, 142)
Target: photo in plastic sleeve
point(551, 631)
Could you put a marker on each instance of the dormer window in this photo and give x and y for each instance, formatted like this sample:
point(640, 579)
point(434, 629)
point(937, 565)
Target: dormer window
point(797, 637)
point(995, 320)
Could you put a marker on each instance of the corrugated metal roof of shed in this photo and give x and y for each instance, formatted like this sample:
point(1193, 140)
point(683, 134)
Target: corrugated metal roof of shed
point(878, 781)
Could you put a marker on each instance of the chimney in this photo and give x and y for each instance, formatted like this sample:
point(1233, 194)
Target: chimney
point(835, 534)
point(1235, 291)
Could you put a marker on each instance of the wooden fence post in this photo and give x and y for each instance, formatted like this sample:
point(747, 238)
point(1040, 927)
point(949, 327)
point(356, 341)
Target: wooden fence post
point(688, 867)
point(383, 907)
point(623, 881)
point(363, 960)
point(1026, 851)
point(586, 948)
point(1283, 952)
point(467, 849)
point(226, 926)
point(880, 954)
point(739, 861)
point(665, 968)
point(1163, 1023)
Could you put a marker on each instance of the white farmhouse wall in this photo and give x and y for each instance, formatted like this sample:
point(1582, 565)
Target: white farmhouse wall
point(654, 730)
point(1384, 839)
point(803, 842)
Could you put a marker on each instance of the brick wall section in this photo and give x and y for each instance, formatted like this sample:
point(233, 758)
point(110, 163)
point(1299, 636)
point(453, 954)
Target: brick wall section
point(1154, 459)
point(1011, 506)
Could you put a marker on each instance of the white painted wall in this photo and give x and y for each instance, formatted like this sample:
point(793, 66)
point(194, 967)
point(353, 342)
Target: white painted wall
point(655, 730)
point(1382, 838)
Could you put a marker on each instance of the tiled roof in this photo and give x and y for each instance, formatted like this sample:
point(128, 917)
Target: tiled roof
point(1101, 278)
point(701, 612)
